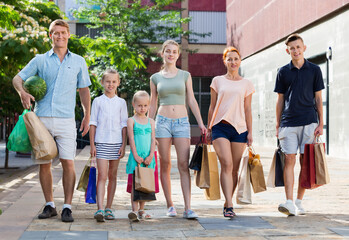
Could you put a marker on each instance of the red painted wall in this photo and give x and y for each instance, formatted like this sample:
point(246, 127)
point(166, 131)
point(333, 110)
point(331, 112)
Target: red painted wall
point(207, 5)
point(208, 65)
point(253, 25)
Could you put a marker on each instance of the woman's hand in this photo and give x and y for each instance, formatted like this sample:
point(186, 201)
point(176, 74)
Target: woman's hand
point(249, 139)
point(203, 129)
point(209, 136)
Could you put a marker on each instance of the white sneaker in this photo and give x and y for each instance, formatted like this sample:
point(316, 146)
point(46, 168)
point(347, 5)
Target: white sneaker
point(288, 208)
point(300, 209)
point(171, 212)
point(190, 214)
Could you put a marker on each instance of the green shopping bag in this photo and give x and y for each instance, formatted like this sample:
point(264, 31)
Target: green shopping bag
point(18, 140)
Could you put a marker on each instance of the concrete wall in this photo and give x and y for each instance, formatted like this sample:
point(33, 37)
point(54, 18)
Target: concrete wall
point(261, 68)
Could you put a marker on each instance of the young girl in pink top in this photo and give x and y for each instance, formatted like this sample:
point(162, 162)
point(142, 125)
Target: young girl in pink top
point(230, 122)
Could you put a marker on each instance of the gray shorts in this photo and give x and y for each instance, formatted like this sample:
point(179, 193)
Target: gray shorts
point(63, 130)
point(294, 138)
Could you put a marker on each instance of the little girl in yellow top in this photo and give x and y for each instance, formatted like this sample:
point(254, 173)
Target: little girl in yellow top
point(141, 135)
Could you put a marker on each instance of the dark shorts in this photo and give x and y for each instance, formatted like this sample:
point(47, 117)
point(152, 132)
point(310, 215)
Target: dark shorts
point(224, 130)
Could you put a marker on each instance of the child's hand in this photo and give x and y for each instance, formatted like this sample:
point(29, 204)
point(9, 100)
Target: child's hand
point(147, 160)
point(122, 152)
point(93, 151)
point(139, 160)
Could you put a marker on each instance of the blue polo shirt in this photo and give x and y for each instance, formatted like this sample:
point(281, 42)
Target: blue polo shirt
point(62, 80)
point(299, 87)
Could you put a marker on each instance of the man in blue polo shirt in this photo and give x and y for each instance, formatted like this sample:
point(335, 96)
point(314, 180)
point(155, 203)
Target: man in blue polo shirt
point(63, 72)
point(299, 114)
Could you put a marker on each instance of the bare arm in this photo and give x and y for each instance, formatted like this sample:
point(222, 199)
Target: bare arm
point(194, 105)
point(152, 146)
point(92, 140)
point(124, 142)
point(153, 100)
point(210, 112)
point(279, 108)
point(248, 118)
point(86, 105)
point(131, 140)
point(319, 107)
point(26, 98)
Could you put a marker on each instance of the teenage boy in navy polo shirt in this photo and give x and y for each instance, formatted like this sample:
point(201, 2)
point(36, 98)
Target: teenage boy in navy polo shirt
point(298, 114)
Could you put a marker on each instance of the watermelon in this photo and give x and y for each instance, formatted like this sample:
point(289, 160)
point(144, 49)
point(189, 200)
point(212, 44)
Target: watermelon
point(36, 86)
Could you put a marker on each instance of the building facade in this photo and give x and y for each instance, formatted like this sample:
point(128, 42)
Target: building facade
point(207, 17)
point(259, 28)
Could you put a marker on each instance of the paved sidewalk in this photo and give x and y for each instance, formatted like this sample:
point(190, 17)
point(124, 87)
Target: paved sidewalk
point(327, 216)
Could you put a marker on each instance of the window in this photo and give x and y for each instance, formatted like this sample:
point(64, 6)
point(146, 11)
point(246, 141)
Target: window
point(201, 87)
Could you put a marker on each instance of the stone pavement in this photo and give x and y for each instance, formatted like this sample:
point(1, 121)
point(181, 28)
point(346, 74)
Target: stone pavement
point(327, 211)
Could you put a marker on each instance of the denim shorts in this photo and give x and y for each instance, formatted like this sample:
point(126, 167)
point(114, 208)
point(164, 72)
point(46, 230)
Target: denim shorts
point(224, 130)
point(172, 127)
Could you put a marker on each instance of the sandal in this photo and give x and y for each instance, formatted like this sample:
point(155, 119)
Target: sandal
point(229, 212)
point(108, 214)
point(133, 216)
point(143, 215)
point(224, 209)
point(99, 216)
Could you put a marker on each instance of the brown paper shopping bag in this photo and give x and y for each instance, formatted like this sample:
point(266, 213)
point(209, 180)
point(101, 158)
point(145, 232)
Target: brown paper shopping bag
point(43, 144)
point(213, 193)
point(256, 172)
point(83, 180)
point(321, 170)
point(244, 195)
point(144, 179)
point(203, 176)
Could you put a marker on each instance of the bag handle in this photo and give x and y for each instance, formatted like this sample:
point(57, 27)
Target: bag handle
point(92, 161)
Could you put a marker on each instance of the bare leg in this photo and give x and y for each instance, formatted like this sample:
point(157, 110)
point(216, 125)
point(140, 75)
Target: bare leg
point(164, 150)
point(102, 166)
point(237, 149)
point(182, 146)
point(301, 190)
point(45, 176)
point(68, 180)
point(289, 175)
point(112, 181)
point(222, 146)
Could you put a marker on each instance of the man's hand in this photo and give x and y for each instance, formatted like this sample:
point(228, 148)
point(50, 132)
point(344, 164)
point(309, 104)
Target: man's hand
point(85, 126)
point(26, 99)
point(277, 130)
point(319, 130)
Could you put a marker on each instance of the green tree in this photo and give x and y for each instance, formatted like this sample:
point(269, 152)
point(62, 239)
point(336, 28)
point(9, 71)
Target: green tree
point(125, 27)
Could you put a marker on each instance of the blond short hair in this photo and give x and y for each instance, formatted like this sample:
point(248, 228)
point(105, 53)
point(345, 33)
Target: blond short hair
point(140, 94)
point(58, 22)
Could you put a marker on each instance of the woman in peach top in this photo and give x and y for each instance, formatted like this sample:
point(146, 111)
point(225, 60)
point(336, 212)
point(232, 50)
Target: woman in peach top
point(230, 122)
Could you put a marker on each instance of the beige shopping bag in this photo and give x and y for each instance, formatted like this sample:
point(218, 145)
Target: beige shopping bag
point(214, 192)
point(321, 170)
point(244, 195)
point(256, 171)
point(144, 179)
point(43, 144)
point(83, 181)
point(203, 176)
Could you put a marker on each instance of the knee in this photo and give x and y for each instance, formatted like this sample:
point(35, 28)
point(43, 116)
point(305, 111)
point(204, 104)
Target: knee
point(226, 167)
point(183, 167)
point(102, 178)
point(165, 166)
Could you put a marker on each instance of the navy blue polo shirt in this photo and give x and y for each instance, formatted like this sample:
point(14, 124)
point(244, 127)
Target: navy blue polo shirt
point(299, 87)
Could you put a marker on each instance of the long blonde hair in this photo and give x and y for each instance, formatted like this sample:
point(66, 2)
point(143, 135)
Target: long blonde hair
point(164, 45)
